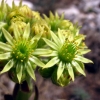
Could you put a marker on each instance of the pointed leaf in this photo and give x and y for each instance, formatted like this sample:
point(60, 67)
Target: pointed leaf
point(70, 71)
point(78, 68)
point(5, 47)
point(19, 73)
point(30, 70)
point(55, 39)
point(51, 44)
point(27, 31)
point(8, 36)
point(36, 61)
point(5, 56)
point(52, 62)
point(60, 70)
point(8, 66)
point(82, 59)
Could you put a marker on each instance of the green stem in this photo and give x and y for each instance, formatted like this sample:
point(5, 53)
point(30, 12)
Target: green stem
point(27, 88)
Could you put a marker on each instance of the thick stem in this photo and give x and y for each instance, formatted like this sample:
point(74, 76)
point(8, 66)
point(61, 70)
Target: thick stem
point(23, 91)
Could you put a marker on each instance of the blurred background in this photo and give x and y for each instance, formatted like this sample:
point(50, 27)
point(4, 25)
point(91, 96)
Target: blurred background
point(87, 14)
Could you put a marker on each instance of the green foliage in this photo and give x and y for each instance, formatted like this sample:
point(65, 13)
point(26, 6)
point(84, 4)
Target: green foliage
point(52, 43)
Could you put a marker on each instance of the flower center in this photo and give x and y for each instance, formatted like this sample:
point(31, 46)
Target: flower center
point(22, 50)
point(67, 51)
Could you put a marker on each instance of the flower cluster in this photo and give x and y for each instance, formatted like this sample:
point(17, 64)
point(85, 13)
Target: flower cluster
point(52, 43)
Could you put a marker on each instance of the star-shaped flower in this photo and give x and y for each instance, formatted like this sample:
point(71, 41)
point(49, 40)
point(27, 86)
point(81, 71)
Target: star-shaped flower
point(67, 53)
point(18, 51)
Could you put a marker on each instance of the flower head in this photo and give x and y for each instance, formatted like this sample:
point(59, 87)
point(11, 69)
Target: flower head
point(18, 51)
point(67, 53)
point(55, 22)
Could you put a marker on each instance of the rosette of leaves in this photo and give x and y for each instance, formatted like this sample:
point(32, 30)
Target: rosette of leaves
point(20, 52)
point(56, 21)
point(67, 53)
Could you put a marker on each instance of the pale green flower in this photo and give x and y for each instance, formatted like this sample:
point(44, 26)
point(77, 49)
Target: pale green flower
point(56, 21)
point(67, 52)
point(18, 51)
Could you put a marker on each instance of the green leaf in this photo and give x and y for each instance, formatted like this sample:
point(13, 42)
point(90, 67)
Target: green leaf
point(16, 32)
point(60, 70)
point(19, 72)
point(42, 52)
point(36, 61)
point(30, 70)
point(52, 62)
point(78, 68)
point(70, 71)
point(8, 36)
point(5, 56)
point(5, 47)
point(27, 31)
point(55, 39)
point(8, 66)
point(82, 59)
point(51, 44)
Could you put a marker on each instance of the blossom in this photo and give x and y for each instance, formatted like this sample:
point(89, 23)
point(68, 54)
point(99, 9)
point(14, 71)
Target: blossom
point(18, 52)
point(56, 21)
point(67, 53)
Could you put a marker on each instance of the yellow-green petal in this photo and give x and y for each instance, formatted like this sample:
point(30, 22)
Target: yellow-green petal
point(30, 71)
point(60, 70)
point(82, 59)
point(70, 70)
point(55, 39)
point(52, 62)
point(78, 67)
point(8, 37)
point(26, 31)
point(7, 67)
point(19, 73)
point(16, 32)
point(5, 46)
point(36, 61)
point(51, 44)
point(5, 56)
point(41, 52)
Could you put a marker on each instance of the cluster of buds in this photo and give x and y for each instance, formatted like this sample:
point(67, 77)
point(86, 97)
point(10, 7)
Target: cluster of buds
point(52, 43)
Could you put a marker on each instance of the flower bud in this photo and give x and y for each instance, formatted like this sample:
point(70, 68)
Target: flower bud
point(63, 80)
point(21, 26)
point(26, 12)
point(13, 75)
